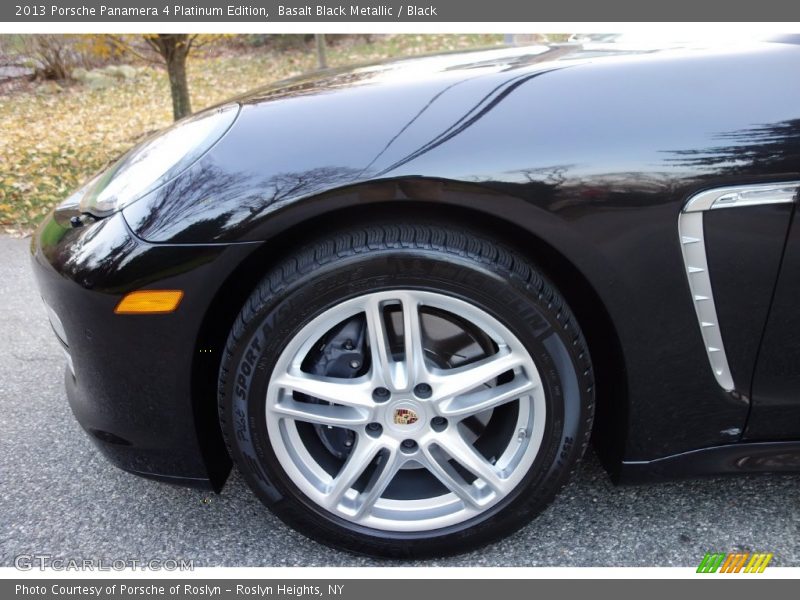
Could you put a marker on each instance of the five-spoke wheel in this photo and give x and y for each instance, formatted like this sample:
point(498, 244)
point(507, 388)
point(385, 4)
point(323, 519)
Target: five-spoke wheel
point(407, 411)
point(406, 390)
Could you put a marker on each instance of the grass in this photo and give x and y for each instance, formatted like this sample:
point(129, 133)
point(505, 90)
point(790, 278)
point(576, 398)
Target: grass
point(52, 141)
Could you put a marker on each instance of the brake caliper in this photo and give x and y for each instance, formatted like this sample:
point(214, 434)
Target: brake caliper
point(341, 353)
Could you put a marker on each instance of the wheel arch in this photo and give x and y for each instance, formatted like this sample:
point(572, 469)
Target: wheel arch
point(604, 346)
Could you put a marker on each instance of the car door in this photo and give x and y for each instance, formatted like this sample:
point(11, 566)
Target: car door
point(775, 403)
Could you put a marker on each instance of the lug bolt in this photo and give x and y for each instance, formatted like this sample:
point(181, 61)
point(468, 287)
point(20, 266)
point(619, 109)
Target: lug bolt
point(439, 423)
point(422, 390)
point(374, 429)
point(409, 445)
point(380, 394)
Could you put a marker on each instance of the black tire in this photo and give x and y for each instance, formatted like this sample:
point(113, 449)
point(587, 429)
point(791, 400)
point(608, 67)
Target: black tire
point(446, 259)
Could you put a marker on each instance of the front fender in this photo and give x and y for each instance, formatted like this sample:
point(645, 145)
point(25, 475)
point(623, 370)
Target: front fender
point(594, 157)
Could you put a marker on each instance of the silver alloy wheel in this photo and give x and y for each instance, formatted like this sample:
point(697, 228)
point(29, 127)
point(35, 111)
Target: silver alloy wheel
point(401, 433)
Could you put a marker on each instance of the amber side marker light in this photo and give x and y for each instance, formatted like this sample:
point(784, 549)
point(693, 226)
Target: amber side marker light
point(149, 302)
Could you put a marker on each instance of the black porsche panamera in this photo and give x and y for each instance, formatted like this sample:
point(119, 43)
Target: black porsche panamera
point(402, 297)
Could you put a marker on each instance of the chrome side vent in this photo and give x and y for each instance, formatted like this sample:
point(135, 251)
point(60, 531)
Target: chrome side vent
point(693, 248)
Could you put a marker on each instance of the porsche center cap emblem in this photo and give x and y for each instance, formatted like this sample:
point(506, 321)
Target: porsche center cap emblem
point(405, 416)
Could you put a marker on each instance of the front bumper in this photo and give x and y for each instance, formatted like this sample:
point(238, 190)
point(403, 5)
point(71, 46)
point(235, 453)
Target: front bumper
point(130, 377)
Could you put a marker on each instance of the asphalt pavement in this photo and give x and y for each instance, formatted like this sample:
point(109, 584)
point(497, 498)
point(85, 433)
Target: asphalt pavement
point(58, 496)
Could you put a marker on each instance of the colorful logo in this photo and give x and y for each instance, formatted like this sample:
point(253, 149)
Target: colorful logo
point(405, 416)
point(734, 562)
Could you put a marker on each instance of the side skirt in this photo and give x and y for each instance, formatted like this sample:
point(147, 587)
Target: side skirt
point(731, 459)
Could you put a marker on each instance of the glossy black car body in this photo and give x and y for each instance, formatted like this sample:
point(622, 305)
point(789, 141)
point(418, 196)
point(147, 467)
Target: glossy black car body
point(583, 158)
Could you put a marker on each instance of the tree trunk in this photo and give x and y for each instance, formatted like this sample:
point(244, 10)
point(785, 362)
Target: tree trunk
point(174, 48)
point(322, 60)
point(179, 86)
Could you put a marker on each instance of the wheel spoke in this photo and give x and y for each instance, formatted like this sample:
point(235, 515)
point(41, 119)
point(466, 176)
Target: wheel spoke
point(485, 398)
point(345, 392)
point(437, 464)
point(322, 414)
point(464, 454)
point(383, 365)
point(360, 458)
point(396, 375)
point(385, 472)
point(412, 338)
point(454, 382)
